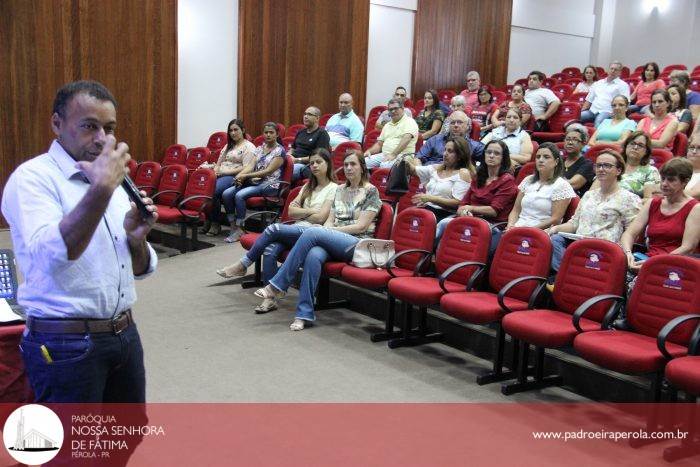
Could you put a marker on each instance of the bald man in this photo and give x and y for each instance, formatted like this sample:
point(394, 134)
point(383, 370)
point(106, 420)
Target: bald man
point(432, 150)
point(345, 125)
point(307, 140)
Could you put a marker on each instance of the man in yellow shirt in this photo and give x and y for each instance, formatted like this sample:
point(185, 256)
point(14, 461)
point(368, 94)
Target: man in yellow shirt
point(399, 136)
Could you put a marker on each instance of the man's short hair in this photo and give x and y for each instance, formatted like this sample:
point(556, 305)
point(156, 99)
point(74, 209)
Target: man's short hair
point(682, 76)
point(458, 100)
point(394, 101)
point(400, 87)
point(539, 75)
point(616, 62)
point(475, 74)
point(91, 88)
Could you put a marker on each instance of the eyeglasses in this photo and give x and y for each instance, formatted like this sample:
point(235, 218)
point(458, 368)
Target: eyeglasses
point(693, 149)
point(637, 145)
point(604, 166)
point(491, 152)
point(572, 140)
point(309, 114)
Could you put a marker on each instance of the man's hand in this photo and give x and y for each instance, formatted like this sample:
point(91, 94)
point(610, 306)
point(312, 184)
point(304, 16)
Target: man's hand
point(137, 227)
point(367, 153)
point(108, 169)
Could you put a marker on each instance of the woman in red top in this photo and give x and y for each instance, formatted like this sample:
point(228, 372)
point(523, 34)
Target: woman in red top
point(672, 222)
point(482, 112)
point(661, 126)
point(642, 93)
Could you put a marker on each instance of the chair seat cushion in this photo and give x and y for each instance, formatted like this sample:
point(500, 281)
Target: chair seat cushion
point(421, 291)
point(371, 278)
point(170, 215)
point(625, 352)
point(545, 328)
point(477, 307)
point(247, 240)
point(333, 268)
point(684, 374)
point(261, 202)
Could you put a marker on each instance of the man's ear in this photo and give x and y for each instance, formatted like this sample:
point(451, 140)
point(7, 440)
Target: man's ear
point(56, 123)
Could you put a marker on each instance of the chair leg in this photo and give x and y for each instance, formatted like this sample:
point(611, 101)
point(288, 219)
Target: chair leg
point(420, 336)
point(389, 332)
point(183, 238)
point(497, 373)
point(539, 381)
point(323, 296)
point(654, 417)
point(257, 276)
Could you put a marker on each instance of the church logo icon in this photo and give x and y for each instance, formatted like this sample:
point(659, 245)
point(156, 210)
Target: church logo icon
point(33, 434)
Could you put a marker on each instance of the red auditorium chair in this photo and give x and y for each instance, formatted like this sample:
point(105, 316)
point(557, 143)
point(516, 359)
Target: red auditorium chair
point(379, 179)
point(535, 148)
point(248, 239)
point(192, 209)
point(324, 119)
point(446, 95)
point(371, 123)
point(572, 72)
point(260, 139)
point(276, 201)
point(571, 209)
point(287, 142)
point(174, 154)
point(408, 103)
point(602, 72)
point(197, 157)
point(459, 261)
point(680, 144)
point(370, 139)
point(511, 287)
point(596, 149)
point(281, 129)
point(625, 72)
point(413, 234)
point(293, 130)
point(133, 167)
point(670, 68)
point(522, 82)
point(659, 156)
point(414, 185)
point(148, 176)
point(419, 105)
point(334, 269)
point(339, 155)
point(573, 82)
point(559, 78)
point(173, 179)
point(507, 88)
point(548, 83)
point(562, 91)
point(566, 113)
point(581, 281)
point(499, 97)
point(217, 141)
point(695, 83)
point(667, 287)
point(376, 111)
point(476, 131)
point(414, 112)
point(525, 170)
point(578, 97)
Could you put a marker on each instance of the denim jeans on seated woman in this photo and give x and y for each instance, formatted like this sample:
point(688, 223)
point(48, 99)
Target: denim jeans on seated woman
point(315, 246)
point(235, 197)
point(274, 240)
point(223, 183)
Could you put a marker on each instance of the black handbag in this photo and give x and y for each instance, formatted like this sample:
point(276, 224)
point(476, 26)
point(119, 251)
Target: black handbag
point(397, 182)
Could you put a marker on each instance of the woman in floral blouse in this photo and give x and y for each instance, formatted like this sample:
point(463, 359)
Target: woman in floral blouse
point(430, 119)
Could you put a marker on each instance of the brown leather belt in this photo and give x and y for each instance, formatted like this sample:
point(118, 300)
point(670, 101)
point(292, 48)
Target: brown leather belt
point(81, 326)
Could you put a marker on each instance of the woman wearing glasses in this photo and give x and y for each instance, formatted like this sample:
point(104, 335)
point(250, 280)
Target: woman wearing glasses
point(693, 186)
point(604, 212)
point(577, 169)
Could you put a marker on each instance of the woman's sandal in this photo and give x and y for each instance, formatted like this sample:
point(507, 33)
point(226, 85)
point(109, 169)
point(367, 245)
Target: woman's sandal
point(227, 274)
point(268, 292)
point(268, 305)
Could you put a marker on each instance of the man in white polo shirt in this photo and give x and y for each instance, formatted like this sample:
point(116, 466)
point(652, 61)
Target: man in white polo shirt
point(543, 102)
point(399, 136)
point(598, 105)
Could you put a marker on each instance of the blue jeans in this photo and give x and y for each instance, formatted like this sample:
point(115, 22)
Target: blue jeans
point(597, 119)
point(300, 171)
point(559, 245)
point(234, 200)
point(270, 244)
point(89, 368)
point(441, 226)
point(222, 184)
point(315, 246)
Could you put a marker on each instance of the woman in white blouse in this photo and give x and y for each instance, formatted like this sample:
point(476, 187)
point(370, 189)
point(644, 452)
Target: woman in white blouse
point(693, 186)
point(590, 76)
point(447, 183)
point(511, 133)
point(545, 195)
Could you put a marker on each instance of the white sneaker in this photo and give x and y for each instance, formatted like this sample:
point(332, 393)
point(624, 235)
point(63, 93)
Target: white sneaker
point(234, 236)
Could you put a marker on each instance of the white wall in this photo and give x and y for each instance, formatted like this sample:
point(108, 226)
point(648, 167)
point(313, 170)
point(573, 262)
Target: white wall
point(390, 48)
point(207, 68)
point(549, 35)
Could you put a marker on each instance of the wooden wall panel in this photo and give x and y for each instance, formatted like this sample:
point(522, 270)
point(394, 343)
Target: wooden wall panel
point(301, 53)
point(455, 36)
point(128, 45)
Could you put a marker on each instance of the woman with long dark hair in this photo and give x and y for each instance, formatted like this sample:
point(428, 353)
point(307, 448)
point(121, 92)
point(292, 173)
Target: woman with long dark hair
point(430, 119)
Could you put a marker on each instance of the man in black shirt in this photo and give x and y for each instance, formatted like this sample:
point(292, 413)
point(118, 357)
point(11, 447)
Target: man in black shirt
point(307, 140)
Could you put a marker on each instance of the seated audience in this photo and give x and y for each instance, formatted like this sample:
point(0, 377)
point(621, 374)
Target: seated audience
point(617, 128)
point(256, 179)
point(678, 108)
point(445, 183)
point(693, 186)
point(590, 76)
point(514, 136)
point(482, 113)
point(661, 126)
point(352, 217)
point(310, 207)
point(543, 102)
point(457, 103)
point(432, 150)
point(672, 222)
point(682, 78)
point(642, 93)
point(472, 90)
point(492, 192)
point(238, 153)
point(345, 125)
point(385, 117)
point(603, 212)
point(430, 119)
point(543, 196)
point(306, 140)
point(398, 137)
point(577, 169)
point(598, 105)
point(517, 100)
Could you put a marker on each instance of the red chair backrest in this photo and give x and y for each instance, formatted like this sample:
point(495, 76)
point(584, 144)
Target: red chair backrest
point(499, 97)
point(408, 103)
point(147, 176)
point(287, 141)
point(589, 267)
point(695, 84)
point(572, 72)
point(573, 82)
point(324, 119)
point(284, 216)
point(476, 131)
point(419, 142)
point(379, 179)
point(385, 216)
point(172, 178)
point(522, 251)
point(281, 130)
point(201, 182)
point(548, 83)
point(419, 105)
point(601, 72)
point(596, 149)
point(339, 155)
point(287, 171)
point(680, 144)
point(521, 81)
point(413, 228)
point(371, 123)
point(579, 97)
point(525, 170)
point(174, 154)
point(260, 139)
point(562, 90)
point(197, 157)
point(133, 167)
point(667, 286)
point(370, 139)
point(625, 72)
point(446, 95)
point(559, 77)
point(293, 130)
point(670, 68)
point(571, 209)
point(659, 157)
point(217, 141)
point(375, 111)
point(465, 239)
point(567, 111)
point(405, 199)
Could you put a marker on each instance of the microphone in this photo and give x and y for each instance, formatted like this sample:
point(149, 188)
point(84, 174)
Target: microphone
point(135, 196)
